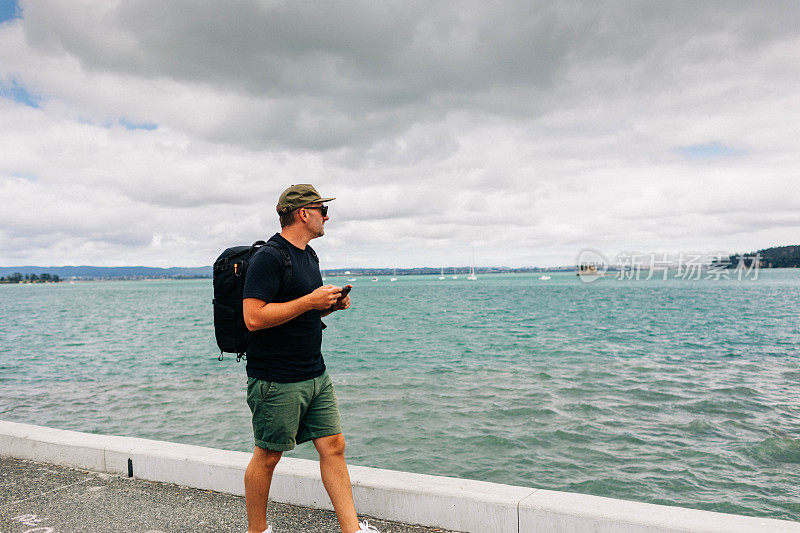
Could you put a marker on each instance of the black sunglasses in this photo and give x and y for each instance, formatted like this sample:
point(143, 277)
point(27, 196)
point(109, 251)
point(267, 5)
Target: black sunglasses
point(322, 209)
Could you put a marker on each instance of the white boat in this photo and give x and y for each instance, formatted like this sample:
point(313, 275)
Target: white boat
point(441, 276)
point(374, 279)
point(472, 276)
point(454, 273)
point(544, 277)
point(351, 279)
point(394, 276)
point(323, 275)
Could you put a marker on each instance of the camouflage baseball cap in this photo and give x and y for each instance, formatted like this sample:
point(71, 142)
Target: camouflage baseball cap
point(298, 196)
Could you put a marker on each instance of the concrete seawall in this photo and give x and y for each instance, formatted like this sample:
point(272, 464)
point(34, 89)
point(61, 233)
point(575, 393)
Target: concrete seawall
point(450, 503)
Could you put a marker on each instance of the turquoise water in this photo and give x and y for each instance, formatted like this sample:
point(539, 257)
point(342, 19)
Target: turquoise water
point(674, 392)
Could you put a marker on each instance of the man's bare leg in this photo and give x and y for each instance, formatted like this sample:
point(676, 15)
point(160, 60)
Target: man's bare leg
point(257, 478)
point(336, 479)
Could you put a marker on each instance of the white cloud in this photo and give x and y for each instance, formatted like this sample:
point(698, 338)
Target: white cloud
point(528, 130)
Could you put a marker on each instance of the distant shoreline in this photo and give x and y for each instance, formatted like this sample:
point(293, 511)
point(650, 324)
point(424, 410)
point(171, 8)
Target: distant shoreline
point(775, 257)
point(365, 273)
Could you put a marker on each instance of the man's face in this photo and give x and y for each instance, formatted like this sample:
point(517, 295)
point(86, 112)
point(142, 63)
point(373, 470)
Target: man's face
point(315, 222)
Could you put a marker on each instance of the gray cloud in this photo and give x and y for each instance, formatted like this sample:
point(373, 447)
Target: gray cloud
point(362, 51)
point(350, 74)
point(325, 75)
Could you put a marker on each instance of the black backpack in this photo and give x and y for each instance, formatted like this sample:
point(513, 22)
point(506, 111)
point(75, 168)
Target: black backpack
point(230, 269)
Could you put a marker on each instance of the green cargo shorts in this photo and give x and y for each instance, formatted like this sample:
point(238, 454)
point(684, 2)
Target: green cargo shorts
point(285, 414)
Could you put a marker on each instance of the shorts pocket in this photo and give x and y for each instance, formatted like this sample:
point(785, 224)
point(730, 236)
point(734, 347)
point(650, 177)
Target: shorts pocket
point(266, 389)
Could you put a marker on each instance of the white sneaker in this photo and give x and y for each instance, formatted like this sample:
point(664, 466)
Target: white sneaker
point(268, 530)
point(364, 526)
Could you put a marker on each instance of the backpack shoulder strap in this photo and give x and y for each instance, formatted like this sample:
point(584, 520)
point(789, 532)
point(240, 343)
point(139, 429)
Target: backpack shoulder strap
point(287, 264)
point(313, 253)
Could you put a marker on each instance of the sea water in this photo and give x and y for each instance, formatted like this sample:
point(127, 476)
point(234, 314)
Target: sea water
point(678, 392)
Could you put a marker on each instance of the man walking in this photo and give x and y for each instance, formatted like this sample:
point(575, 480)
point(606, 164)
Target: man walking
point(289, 391)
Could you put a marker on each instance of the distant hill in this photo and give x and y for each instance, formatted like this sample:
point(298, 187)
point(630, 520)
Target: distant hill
point(781, 257)
point(775, 257)
point(93, 272)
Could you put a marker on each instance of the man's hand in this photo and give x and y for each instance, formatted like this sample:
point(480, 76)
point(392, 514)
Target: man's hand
point(342, 304)
point(324, 297)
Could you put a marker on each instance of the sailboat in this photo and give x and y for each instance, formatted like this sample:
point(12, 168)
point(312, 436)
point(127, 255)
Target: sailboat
point(442, 274)
point(394, 275)
point(454, 273)
point(472, 275)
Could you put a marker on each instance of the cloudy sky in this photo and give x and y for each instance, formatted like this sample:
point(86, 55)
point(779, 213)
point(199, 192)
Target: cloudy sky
point(145, 132)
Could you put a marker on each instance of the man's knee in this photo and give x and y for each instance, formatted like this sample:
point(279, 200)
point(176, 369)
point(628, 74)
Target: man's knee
point(332, 445)
point(267, 459)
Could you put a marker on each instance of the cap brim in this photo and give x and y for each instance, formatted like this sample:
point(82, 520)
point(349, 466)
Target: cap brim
point(320, 200)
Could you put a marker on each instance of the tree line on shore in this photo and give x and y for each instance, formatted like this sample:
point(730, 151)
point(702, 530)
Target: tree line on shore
point(775, 257)
point(16, 277)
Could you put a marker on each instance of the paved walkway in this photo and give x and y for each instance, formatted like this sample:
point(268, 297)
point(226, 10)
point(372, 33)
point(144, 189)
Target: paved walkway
point(43, 498)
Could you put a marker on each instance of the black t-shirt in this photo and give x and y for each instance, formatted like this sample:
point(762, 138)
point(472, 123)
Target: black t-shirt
point(290, 352)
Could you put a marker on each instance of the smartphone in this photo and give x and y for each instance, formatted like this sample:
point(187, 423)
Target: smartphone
point(345, 292)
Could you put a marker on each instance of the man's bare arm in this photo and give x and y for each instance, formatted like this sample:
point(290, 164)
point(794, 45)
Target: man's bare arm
point(259, 314)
